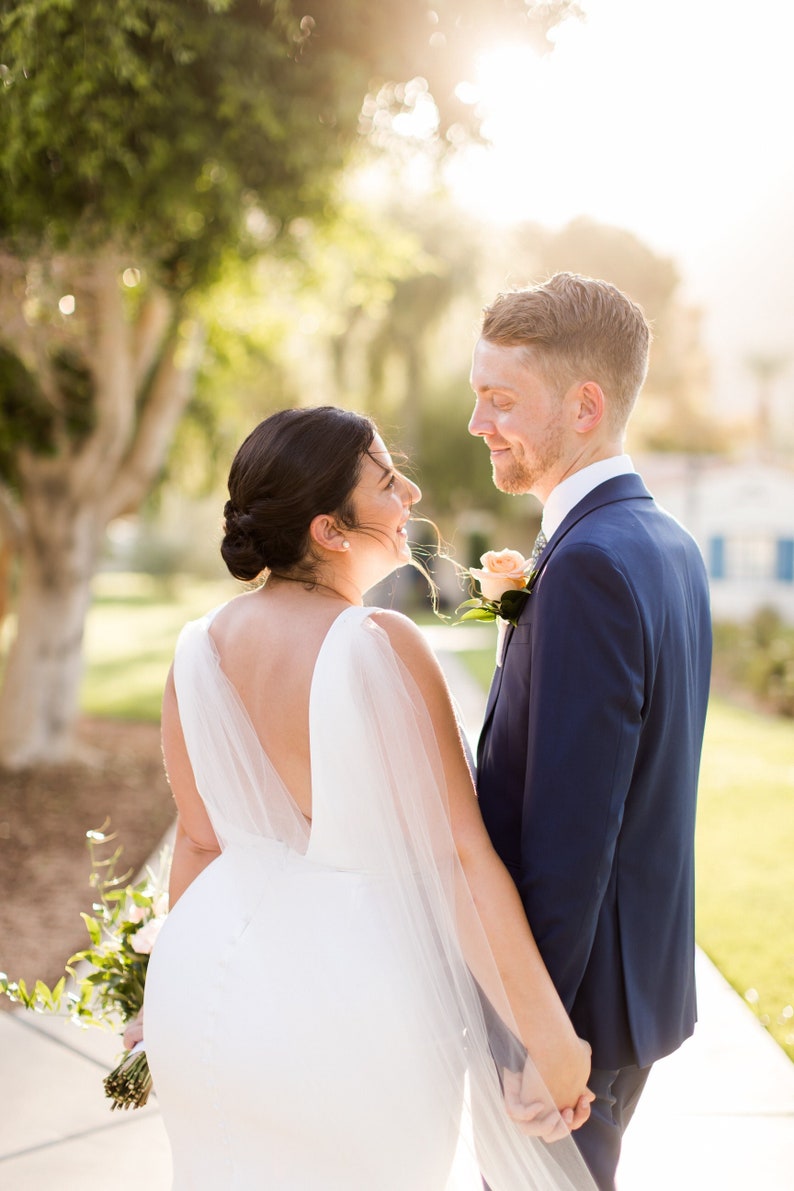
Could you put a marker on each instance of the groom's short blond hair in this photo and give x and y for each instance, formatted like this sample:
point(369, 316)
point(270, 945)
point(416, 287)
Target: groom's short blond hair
point(576, 329)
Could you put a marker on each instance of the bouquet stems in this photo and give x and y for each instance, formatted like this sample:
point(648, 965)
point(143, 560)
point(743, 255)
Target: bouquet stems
point(129, 1084)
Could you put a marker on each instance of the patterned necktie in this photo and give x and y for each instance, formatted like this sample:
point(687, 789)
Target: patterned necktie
point(537, 550)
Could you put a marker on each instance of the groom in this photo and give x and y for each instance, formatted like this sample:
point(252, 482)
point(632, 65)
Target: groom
point(589, 753)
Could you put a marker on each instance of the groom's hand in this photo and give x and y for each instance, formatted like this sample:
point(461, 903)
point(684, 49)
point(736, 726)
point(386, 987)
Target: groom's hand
point(529, 1104)
point(535, 1117)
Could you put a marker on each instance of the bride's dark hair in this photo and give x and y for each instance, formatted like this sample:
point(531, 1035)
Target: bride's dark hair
point(294, 465)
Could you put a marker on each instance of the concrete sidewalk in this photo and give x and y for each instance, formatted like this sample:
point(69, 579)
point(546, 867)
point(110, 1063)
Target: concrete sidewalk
point(56, 1128)
point(716, 1116)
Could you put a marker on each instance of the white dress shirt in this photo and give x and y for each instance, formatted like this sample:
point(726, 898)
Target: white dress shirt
point(570, 491)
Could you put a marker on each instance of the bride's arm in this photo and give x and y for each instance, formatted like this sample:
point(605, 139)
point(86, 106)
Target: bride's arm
point(196, 844)
point(562, 1059)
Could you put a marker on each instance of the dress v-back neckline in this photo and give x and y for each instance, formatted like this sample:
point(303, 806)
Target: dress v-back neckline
point(353, 611)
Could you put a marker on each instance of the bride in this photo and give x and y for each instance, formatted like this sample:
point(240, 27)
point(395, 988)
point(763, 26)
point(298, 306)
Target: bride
point(346, 993)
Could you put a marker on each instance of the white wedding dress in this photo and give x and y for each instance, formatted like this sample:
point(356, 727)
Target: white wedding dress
point(310, 1022)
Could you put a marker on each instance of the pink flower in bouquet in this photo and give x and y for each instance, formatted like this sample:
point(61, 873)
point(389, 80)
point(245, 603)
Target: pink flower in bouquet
point(143, 940)
point(502, 570)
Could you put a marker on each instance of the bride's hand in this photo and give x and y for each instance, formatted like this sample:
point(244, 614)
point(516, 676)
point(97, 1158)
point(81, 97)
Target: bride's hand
point(540, 1118)
point(575, 1117)
point(529, 1103)
point(560, 1074)
point(134, 1032)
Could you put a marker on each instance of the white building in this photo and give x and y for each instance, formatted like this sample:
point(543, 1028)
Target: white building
point(742, 516)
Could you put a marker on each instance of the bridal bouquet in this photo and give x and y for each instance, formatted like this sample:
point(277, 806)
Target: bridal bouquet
point(504, 583)
point(106, 980)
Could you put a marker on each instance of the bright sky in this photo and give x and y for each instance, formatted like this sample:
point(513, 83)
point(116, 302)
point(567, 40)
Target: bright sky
point(671, 118)
point(674, 119)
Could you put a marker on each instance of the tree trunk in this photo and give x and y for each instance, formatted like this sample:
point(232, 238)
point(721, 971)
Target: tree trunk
point(6, 559)
point(39, 699)
point(143, 374)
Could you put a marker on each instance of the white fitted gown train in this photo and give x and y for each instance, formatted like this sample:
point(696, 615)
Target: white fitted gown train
point(309, 1019)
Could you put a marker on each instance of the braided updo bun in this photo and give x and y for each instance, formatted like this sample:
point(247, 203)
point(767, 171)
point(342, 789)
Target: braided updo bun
point(295, 465)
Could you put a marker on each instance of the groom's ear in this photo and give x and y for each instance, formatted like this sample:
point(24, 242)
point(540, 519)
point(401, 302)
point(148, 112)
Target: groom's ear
point(590, 407)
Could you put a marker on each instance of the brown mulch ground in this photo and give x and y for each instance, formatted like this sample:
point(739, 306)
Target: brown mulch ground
point(44, 861)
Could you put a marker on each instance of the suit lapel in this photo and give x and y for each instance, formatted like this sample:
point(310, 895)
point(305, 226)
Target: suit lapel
point(625, 487)
point(496, 681)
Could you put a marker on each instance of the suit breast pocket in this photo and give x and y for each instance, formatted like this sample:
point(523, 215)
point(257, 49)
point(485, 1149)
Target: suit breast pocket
point(522, 633)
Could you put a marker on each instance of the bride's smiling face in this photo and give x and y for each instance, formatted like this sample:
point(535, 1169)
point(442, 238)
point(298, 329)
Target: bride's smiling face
point(382, 500)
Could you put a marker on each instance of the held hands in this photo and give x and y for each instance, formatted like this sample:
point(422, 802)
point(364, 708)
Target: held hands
point(529, 1102)
point(539, 1117)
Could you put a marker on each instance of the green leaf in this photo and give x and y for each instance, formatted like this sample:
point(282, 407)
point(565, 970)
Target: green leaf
point(93, 928)
point(44, 994)
point(512, 603)
point(95, 978)
point(514, 599)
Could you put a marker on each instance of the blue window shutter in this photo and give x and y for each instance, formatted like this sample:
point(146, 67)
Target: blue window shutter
point(785, 560)
point(717, 558)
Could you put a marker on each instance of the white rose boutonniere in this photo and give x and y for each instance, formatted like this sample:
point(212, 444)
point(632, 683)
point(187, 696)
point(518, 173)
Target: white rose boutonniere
point(504, 582)
point(502, 570)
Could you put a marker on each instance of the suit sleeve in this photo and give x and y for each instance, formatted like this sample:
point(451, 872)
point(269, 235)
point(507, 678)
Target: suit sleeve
point(585, 715)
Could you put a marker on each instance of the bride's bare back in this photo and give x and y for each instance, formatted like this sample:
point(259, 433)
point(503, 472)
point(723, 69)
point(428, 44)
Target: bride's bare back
point(268, 642)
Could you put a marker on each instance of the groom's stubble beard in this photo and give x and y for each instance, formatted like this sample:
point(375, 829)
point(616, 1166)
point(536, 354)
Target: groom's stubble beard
point(522, 473)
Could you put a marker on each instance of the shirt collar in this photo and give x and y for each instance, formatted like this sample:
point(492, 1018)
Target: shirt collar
point(570, 491)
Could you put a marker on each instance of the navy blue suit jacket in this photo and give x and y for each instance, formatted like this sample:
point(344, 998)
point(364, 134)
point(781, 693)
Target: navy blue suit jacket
point(588, 767)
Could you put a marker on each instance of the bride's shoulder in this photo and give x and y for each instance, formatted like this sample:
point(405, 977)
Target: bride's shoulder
point(407, 640)
point(400, 629)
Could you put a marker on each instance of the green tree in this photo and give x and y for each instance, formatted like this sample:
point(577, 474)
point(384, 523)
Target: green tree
point(145, 144)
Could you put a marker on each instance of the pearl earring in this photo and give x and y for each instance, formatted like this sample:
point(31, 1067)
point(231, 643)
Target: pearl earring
point(345, 544)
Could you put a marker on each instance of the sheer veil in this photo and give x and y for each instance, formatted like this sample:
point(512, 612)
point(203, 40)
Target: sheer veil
point(379, 806)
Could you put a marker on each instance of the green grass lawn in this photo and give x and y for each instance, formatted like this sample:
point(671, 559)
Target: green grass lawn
point(479, 663)
point(130, 636)
point(745, 860)
point(745, 836)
